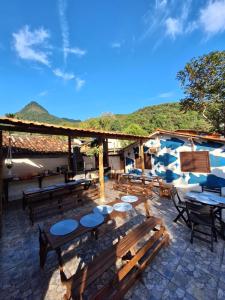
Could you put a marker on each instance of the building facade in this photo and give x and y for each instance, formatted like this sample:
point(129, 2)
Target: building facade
point(182, 158)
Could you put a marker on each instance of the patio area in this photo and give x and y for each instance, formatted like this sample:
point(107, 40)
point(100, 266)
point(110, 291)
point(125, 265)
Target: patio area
point(179, 271)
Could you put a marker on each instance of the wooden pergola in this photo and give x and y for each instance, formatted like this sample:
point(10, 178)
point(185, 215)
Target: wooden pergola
point(15, 125)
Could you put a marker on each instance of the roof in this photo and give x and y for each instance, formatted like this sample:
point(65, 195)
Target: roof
point(30, 144)
point(11, 124)
point(190, 134)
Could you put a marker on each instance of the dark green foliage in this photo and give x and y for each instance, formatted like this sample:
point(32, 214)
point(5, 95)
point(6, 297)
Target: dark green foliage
point(35, 112)
point(135, 129)
point(10, 115)
point(203, 81)
point(148, 119)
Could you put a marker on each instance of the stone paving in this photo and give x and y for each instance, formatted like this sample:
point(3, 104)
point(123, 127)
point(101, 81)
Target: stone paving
point(180, 271)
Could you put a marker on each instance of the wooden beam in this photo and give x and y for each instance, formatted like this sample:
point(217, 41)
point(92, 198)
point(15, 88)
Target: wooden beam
point(101, 169)
point(51, 129)
point(1, 180)
point(142, 156)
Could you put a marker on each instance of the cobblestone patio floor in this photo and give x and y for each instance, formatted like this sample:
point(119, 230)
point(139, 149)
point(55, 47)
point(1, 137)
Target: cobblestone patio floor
point(180, 271)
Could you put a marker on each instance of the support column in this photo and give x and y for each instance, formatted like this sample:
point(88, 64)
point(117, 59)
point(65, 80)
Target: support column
point(1, 181)
point(69, 154)
point(101, 170)
point(105, 151)
point(142, 156)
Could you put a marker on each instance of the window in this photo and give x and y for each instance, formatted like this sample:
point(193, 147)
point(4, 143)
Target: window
point(147, 161)
point(138, 163)
point(195, 161)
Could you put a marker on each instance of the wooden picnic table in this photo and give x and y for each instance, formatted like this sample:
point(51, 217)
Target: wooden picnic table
point(50, 242)
point(143, 178)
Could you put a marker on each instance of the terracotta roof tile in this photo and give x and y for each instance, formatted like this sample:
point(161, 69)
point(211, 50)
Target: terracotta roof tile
point(35, 144)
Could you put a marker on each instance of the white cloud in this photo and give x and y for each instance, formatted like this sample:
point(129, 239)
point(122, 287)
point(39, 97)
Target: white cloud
point(116, 45)
point(212, 17)
point(173, 27)
point(43, 93)
point(77, 51)
point(166, 95)
point(180, 25)
point(167, 18)
point(64, 75)
point(32, 45)
point(160, 3)
point(62, 5)
point(79, 83)
point(191, 26)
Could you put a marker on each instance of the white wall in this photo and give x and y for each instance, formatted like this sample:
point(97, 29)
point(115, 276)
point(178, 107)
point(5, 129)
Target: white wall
point(89, 162)
point(114, 163)
point(16, 188)
point(33, 166)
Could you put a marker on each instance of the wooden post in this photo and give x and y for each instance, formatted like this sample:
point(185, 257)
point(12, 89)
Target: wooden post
point(142, 156)
point(101, 170)
point(106, 150)
point(69, 153)
point(1, 181)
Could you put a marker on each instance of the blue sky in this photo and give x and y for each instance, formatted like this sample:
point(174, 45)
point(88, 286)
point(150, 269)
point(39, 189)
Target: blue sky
point(81, 58)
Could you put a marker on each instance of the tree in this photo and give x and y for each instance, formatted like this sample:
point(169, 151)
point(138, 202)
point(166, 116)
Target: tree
point(115, 125)
point(10, 115)
point(135, 129)
point(203, 81)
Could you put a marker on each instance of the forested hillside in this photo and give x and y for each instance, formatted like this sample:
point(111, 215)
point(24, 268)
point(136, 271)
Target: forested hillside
point(146, 120)
point(143, 121)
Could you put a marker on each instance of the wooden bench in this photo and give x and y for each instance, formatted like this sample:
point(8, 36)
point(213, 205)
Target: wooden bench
point(134, 188)
point(127, 259)
point(50, 203)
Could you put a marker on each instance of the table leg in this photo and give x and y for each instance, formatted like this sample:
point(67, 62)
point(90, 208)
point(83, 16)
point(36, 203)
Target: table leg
point(95, 233)
point(43, 250)
point(59, 254)
point(24, 202)
point(218, 216)
point(147, 210)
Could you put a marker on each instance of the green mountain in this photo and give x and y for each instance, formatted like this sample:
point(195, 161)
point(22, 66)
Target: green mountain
point(35, 112)
point(143, 121)
point(146, 120)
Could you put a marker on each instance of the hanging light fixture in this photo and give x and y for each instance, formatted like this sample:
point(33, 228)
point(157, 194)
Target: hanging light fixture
point(9, 161)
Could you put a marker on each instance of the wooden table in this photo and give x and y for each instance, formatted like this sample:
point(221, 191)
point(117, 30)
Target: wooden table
point(206, 198)
point(50, 242)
